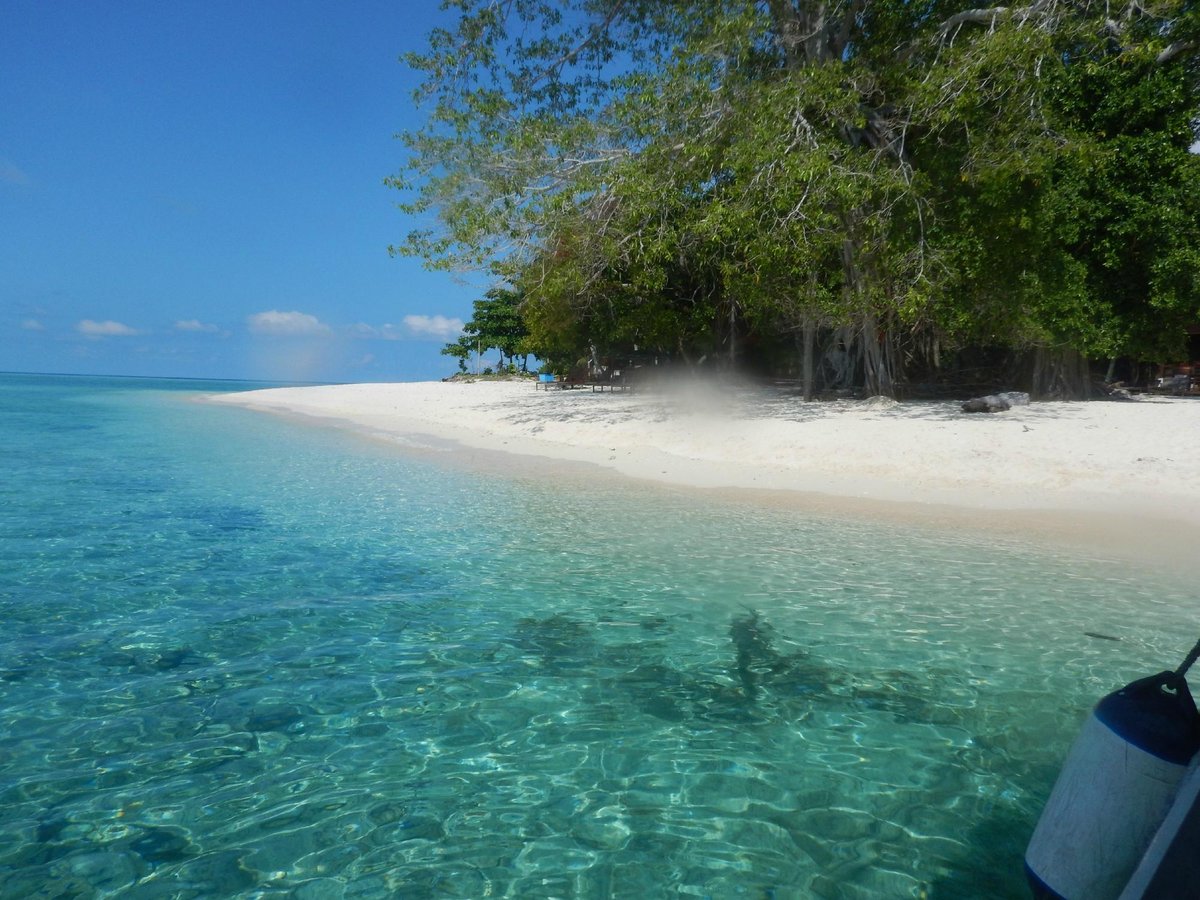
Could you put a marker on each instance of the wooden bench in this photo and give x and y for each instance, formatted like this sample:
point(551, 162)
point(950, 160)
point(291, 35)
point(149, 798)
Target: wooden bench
point(570, 385)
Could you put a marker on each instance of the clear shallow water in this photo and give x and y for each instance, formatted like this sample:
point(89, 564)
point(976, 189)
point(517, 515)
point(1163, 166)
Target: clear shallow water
point(241, 658)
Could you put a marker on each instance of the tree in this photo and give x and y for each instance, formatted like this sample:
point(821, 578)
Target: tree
point(461, 350)
point(1078, 234)
point(701, 177)
point(497, 324)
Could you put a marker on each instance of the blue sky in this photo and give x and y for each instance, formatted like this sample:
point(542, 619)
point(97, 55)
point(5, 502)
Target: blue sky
point(195, 189)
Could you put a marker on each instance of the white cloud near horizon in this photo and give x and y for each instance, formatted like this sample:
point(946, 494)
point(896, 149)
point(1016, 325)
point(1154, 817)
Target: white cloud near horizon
point(32, 325)
point(415, 326)
point(195, 325)
point(386, 332)
point(433, 326)
point(290, 324)
point(107, 328)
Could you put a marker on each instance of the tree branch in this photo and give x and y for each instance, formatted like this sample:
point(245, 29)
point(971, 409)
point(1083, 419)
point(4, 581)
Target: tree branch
point(973, 17)
point(598, 30)
point(1173, 50)
point(988, 16)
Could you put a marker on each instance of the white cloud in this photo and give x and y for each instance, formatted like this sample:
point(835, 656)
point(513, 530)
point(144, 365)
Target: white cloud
point(414, 326)
point(107, 328)
point(194, 325)
point(390, 332)
point(386, 332)
point(33, 325)
point(286, 323)
point(433, 326)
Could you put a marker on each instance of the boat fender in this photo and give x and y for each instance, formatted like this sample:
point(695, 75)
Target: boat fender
point(1114, 790)
point(1170, 870)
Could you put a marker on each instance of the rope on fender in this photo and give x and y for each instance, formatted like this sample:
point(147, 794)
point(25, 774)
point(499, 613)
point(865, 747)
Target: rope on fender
point(1187, 663)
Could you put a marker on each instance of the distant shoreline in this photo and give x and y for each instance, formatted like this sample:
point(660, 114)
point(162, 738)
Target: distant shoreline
point(1117, 478)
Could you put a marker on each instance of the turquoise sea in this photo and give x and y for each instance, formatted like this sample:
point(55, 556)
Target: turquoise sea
point(241, 657)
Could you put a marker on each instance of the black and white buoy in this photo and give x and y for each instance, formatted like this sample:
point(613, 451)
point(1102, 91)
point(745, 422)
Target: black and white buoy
point(1112, 798)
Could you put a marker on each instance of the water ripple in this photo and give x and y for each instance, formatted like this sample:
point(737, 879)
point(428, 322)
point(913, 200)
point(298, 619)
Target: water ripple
point(269, 663)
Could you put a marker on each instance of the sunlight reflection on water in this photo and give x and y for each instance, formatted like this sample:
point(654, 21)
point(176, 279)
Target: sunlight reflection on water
point(245, 659)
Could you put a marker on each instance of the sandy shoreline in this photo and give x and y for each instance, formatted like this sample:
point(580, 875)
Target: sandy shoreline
point(1124, 474)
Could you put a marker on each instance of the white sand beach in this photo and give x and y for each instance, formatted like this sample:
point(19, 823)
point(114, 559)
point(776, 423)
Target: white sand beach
point(1124, 471)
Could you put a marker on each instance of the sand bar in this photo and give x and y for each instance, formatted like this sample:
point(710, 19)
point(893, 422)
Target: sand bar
point(1111, 471)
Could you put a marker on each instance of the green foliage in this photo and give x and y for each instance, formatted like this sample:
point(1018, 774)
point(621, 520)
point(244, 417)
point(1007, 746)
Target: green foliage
point(497, 324)
point(685, 176)
point(460, 350)
point(1083, 232)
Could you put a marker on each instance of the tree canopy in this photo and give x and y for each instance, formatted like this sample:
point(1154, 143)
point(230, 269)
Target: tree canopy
point(749, 179)
point(497, 324)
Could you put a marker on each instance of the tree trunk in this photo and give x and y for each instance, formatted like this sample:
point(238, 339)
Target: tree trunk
point(806, 358)
point(1059, 374)
point(732, 335)
point(878, 359)
point(839, 358)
